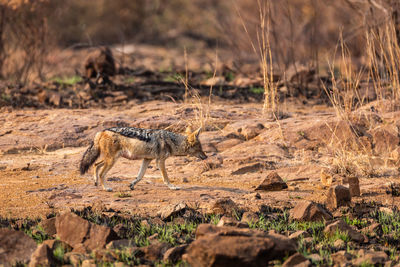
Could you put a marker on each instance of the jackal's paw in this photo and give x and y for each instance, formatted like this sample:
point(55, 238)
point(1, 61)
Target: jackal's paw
point(173, 187)
point(108, 189)
point(95, 183)
point(132, 186)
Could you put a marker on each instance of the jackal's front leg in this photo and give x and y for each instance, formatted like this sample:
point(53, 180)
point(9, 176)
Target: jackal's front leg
point(164, 174)
point(141, 173)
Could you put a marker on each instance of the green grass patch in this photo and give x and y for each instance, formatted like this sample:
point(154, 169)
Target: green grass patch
point(122, 195)
point(175, 77)
point(129, 80)
point(257, 90)
point(67, 80)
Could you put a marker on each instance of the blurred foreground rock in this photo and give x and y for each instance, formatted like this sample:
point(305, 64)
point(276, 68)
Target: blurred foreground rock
point(230, 246)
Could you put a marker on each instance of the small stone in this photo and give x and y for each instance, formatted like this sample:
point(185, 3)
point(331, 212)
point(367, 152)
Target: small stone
point(89, 263)
point(308, 240)
point(371, 257)
point(173, 255)
point(273, 182)
point(386, 210)
point(298, 234)
point(249, 217)
point(296, 260)
point(339, 244)
point(315, 258)
point(172, 210)
point(120, 229)
point(354, 187)
point(49, 226)
point(153, 238)
point(157, 221)
point(337, 196)
point(55, 99)
point(341, 226)
point(120, 244)
point(42, 256)
point(74, 258)
point(326, 178)
point(229, 221)
point(155, 251)
point(341, 258)
point(223, 206)
point(309, 211)
point(145, 224)
point(375, 228)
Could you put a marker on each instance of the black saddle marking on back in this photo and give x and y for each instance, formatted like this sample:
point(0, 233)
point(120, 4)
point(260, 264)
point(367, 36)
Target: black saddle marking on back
point(132, 132)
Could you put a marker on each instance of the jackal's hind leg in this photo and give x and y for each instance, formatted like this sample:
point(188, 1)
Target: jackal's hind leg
point(107, 166)
point(97, 167)
point(165, 175)
point(143, 168)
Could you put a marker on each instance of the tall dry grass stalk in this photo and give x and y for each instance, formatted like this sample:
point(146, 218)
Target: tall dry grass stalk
point(344, 93)
point(270, 89)
point(192, 99)
point(383, 54)
point(350, 157)
point(263, 51)
point(354, 157)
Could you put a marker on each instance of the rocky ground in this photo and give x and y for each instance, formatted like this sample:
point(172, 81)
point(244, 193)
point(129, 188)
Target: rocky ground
point(303, 186)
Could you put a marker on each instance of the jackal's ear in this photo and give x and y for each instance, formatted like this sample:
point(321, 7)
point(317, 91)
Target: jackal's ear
point(194, 137)
point(197, 133)
point(188, 131)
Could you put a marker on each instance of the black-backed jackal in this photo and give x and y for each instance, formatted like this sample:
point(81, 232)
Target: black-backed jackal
point(136, 143)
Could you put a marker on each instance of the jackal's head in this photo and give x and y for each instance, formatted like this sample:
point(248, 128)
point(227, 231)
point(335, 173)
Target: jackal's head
point(193, 146)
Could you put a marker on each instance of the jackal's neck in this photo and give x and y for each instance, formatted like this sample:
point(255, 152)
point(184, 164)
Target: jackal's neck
point(181, 146)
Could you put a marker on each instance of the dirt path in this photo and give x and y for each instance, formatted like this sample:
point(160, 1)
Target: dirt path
point(42, 148)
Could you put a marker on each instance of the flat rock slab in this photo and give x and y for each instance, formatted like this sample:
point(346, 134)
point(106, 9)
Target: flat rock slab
point(231, 246)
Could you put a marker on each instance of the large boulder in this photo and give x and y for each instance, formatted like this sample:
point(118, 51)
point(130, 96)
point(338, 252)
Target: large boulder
point(230, 246)
point(82, 235)
point(15, 247)
point(309, 211)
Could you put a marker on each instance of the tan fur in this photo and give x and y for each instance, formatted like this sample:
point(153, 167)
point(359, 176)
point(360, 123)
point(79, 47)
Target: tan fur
point(113, 145)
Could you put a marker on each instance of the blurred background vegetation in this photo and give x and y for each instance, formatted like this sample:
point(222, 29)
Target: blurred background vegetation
point(299, 30)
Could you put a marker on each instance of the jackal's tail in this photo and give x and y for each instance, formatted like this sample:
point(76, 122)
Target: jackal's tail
point(89, 157)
